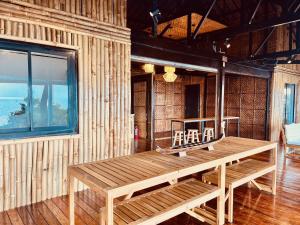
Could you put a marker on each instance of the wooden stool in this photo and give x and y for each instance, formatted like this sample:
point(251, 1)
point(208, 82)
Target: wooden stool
point(178, 137)
point(208, 134)
point(193, 136)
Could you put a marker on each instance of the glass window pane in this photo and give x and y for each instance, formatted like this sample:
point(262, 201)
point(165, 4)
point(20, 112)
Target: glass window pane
point(49, 90)
point(14, 110)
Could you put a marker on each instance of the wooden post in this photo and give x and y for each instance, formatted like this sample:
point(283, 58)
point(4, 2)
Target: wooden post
point(219, 108)
point(221, 198)
point(71, 200)
point(109, 209)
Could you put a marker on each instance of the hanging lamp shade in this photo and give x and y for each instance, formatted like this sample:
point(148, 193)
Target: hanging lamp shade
point(170, 75)
point(148, 68)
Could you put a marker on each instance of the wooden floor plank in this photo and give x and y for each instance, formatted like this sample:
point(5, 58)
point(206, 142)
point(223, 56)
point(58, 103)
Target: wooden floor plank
point(4, 219)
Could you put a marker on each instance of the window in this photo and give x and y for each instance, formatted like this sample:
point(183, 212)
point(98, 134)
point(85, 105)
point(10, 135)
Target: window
point(289, 112)
point(38, 90)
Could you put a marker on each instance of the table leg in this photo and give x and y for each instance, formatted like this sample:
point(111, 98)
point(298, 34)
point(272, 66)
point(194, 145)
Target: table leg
point(109, 210)
point(221, 198)
point(172, 132)
point(274, 173)
point(238, 128)
point(184, 138)
point(71, 200)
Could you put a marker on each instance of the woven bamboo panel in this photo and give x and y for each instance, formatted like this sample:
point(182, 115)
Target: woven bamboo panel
point(233, 101)
point(178, 111)
point(170, 88)
point(169, 112)
point(140, 86)
point(140, 99)
point(246, 131)
point(160, 125)
point(169, 98)
point(160, 112)
point(232, 129)
point(247, 116)
point(160, 99)
point(247, 85)
point(140, 114)
point(210, 111)
point(178, 99)
point(211, 85)
point(178, 87)
point(234, 85)
point(210, 100)
point(259, 117)
point(233, 112)
point(260, 101)
point(160, 86)
point(259, 132)
point(261, 85)
point(247, 101)
point(168, 125)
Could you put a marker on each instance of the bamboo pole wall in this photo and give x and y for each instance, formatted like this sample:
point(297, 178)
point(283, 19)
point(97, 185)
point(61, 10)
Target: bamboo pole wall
point(35, 169)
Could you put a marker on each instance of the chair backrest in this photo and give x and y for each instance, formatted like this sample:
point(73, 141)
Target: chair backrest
point(292, 132)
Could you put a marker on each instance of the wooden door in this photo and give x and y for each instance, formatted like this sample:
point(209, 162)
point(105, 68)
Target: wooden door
point(192, 104)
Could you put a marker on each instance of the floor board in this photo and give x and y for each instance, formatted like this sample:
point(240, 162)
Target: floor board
point(250, 205)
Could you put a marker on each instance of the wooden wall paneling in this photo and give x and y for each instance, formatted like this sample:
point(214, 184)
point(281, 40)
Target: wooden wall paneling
point(35, 169)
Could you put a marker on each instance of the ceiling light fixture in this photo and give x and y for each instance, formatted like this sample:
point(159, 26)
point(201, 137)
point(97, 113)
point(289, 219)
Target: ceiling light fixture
point(169, 75)
point(227, 43)
point(148, 68)
point(155, 14)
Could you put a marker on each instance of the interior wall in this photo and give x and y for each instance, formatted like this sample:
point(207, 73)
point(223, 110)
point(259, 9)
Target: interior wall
point(245, 97)
point(281, 77)
point(169, 101)
point(35, 169)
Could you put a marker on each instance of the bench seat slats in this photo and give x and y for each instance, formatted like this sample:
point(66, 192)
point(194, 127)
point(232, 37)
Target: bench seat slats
point(154, 205)
point(238, 171)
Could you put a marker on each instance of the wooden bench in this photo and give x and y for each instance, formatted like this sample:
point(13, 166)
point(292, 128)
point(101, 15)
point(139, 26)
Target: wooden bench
point(162, 204)
point(241, 173)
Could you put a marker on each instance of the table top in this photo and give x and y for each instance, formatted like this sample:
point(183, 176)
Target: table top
point(122, 175)
point(190, 120)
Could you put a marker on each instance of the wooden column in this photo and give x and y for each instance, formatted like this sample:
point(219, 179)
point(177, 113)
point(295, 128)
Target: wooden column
point(220, 84)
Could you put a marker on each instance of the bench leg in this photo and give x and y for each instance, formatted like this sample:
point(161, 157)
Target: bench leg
point(221, 198)
point(230, 204)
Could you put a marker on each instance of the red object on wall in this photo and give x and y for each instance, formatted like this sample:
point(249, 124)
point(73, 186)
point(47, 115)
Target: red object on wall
point(136, 132)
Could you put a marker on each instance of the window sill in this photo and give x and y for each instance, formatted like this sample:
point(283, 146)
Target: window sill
point(41, 138)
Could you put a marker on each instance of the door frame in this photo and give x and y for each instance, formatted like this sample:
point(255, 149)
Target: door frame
point(148, 78)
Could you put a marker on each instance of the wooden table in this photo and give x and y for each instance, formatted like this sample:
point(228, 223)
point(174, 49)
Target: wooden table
point(202, 120)
point(123, 176)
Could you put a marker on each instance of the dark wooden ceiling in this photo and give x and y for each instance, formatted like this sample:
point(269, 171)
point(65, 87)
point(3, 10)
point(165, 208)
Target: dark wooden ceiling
point(227, 12)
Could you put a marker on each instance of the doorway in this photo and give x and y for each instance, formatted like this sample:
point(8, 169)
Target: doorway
point(141, 98)
point(290, 92)
point(192, 104)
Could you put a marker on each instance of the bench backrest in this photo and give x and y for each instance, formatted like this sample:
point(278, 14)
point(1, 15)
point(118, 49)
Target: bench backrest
point(292, 132)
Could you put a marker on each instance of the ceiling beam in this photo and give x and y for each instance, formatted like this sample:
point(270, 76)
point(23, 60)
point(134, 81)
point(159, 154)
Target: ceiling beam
point(164, 30)
point(200, 24)
point(255, 11)
point(275, 55)
point(233, 31)
point(264, 41)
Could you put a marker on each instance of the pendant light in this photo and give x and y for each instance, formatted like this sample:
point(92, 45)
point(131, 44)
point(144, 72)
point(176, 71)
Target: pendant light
point(170, 75)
